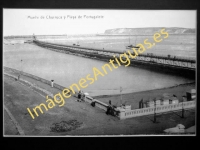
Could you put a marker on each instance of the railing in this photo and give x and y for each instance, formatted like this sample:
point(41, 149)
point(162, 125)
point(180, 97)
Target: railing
point(170, 57)
point(167, 61)
point(32, 85)
point(98, 103)
point(158, 109)
point(34, 77)
point(88, 99)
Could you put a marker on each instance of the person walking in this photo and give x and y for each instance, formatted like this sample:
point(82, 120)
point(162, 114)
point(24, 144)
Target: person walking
point(109, 108)
point(93, 103)
point(52, 83)
point(142, 103)
point(79, 96)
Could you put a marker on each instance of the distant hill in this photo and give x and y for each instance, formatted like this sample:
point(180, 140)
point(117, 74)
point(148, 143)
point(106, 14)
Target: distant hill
point(48, 36)
point(148, 31)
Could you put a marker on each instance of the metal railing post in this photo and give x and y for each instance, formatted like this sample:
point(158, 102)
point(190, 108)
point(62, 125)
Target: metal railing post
point(183, 111)
point(154, 111)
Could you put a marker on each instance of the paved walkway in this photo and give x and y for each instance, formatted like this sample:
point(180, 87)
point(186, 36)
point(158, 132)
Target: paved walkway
point(36, 82)
point(21, 132)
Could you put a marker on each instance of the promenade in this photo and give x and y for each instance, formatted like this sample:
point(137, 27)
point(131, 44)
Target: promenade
point(18, 97)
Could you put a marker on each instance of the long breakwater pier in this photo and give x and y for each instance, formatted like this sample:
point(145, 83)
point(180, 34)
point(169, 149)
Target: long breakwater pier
point(181, 65)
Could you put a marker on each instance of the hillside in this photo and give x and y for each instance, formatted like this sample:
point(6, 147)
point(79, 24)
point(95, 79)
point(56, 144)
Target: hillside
point(148, 31)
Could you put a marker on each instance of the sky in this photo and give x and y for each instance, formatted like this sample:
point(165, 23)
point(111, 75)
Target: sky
point(78, 21)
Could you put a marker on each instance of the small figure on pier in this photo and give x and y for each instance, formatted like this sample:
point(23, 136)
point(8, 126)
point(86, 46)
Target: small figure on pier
point(79, 96)
point(18, 76)
point(141, 103)
point(110, 109)
point(93, 103)
point(52, 83)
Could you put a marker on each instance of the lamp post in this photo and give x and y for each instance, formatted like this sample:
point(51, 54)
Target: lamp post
point(121, 93)
point(20, 71)
point(21, 64)
point(135, 40)
point(182, 107)
point(154, 111)
point(52, 83)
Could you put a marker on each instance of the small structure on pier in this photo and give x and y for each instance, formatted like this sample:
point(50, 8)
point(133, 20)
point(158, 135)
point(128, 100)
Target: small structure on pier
point(191, 95)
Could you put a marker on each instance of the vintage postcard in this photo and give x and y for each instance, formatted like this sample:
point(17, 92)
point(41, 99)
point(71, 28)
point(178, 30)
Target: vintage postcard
point(99, 72)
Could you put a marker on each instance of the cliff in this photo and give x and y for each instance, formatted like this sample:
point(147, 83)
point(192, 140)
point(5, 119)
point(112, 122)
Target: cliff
point(148, 31)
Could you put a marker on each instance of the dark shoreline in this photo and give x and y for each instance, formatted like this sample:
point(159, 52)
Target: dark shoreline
point(104, 96)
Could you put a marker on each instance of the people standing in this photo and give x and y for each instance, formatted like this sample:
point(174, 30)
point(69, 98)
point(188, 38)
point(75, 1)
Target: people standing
point(79, 96)
point(93, 103)
point(18, 76)
point(83, 96)
point(141, 103)
point(109, 108)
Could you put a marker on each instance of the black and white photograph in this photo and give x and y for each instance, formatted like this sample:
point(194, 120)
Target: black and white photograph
point(99, 72)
